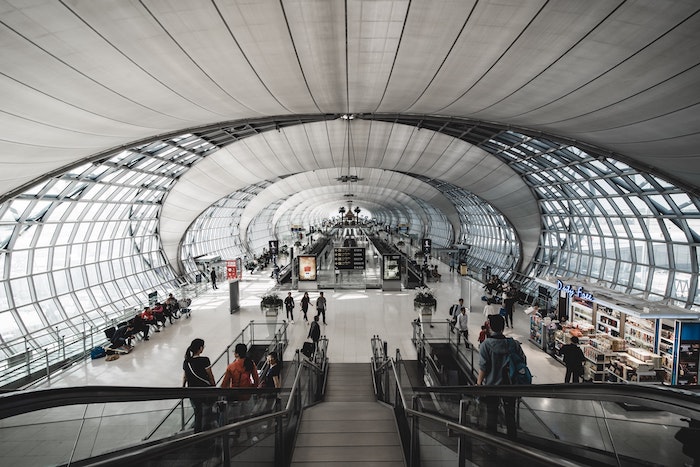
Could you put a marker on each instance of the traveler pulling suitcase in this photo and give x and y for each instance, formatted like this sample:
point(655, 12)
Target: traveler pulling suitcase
point(307, 349)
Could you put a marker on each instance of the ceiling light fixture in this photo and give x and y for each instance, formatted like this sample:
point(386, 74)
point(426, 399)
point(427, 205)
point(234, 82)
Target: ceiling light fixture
point(348, 178)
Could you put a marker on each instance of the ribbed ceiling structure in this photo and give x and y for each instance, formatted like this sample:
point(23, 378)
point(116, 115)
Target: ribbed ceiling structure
point(516, 103)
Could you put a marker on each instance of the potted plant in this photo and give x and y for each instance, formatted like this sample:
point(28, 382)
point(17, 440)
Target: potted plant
point(425, 303)
point(425, 299)
point(271, 304)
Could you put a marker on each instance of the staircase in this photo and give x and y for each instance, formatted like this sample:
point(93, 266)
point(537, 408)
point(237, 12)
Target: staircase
point(350, 427)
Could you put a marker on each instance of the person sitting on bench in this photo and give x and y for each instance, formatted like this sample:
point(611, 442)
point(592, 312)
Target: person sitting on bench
point(140, 325)
point(122, 338)
point(159, 312)
point(172, 307)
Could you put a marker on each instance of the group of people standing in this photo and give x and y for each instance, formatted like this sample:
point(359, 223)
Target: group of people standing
point(241, 373)
point(289, 306)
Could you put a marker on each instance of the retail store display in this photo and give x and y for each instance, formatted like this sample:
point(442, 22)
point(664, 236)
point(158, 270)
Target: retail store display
point(624, 339)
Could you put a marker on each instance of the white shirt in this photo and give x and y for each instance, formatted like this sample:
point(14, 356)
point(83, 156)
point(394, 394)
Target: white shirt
point(462, 321)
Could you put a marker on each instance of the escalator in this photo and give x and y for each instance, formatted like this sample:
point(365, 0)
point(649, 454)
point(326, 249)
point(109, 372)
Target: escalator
point(557, 424)
point(450, 370)
point(89, 426)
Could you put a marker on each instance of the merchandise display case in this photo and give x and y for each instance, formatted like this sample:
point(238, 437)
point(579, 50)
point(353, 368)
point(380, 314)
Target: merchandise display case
point(608, 320)
point(666, 348)
point(581, 312)
point(538, 331)
point(640, 332)
point(688, 360)
point(597, 360)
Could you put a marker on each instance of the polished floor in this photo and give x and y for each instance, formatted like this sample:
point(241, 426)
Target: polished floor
point(353, 317)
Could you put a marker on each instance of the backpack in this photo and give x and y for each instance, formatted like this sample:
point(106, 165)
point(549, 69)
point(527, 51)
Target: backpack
point(515, 370)
point(98, 352)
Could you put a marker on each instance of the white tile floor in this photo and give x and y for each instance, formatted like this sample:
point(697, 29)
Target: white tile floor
point(353, 317)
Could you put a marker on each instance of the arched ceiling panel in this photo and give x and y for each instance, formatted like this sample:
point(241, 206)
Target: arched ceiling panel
point(268, 156)
point(81, 79)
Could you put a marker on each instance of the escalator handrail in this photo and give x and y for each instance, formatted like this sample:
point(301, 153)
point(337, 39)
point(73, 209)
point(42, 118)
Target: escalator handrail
point(546, 458)
point(674, 399)
point(21, 402)
point(133, 455)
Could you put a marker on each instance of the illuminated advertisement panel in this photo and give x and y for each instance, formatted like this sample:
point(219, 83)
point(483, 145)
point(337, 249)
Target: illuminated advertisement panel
point(307, 268)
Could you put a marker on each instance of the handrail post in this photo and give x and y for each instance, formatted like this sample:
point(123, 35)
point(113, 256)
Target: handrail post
point(414, 460)
point(28, 360)
point(464, 444)
point(252, 334)
point(182, 414)
point(48, 371)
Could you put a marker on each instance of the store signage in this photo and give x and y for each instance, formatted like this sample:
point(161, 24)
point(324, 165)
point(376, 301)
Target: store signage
point(571, 291)
point(231, 269)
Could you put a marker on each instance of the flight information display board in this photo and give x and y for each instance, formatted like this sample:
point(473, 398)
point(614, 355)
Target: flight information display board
point(349, 258)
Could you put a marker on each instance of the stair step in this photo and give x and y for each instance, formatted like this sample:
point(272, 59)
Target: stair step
point(350, 428)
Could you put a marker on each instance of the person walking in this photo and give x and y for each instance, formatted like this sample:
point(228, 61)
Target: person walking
point(305, 302)
point(241, 373)
point(573, 359)
point(289, 306)
point(463, 326)
point(315, 332)
point(321, 306)
point(492, 359)
point(454, 310)
point(271, 378)
point(197, 374)
point(213, 278)
point(509, 300)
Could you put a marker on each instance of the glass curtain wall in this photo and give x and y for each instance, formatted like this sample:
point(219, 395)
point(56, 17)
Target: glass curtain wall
point(215, 231)
point(602, 219)
point(491, 239)
point(82, 247)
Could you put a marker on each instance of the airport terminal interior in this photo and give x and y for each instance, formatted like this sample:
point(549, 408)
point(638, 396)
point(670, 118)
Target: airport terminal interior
point(536, 158)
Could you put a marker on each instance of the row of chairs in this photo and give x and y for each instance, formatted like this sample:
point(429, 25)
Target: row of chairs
point(183, 309)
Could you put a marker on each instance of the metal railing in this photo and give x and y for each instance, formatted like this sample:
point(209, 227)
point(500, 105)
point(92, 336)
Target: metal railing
point(48, 352)
point(444, 333)
point(179, 416)
point(453, 422)
point(264, 429)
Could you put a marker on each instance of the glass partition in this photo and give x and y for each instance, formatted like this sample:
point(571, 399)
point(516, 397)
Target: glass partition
point(48, 427)
point(555, 424)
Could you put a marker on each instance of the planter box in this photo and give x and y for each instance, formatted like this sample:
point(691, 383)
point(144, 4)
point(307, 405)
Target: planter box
point(425, 309)
point(270, 310)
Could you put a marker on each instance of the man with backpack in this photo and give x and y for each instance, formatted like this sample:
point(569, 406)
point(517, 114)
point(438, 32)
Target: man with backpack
point(501, 362)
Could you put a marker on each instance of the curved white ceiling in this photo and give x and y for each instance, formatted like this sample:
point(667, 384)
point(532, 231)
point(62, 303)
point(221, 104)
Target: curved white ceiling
point(79, 78)
point(321, 186)
point(322, 150)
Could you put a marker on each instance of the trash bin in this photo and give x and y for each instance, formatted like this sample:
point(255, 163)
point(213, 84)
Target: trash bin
point(463, 269)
